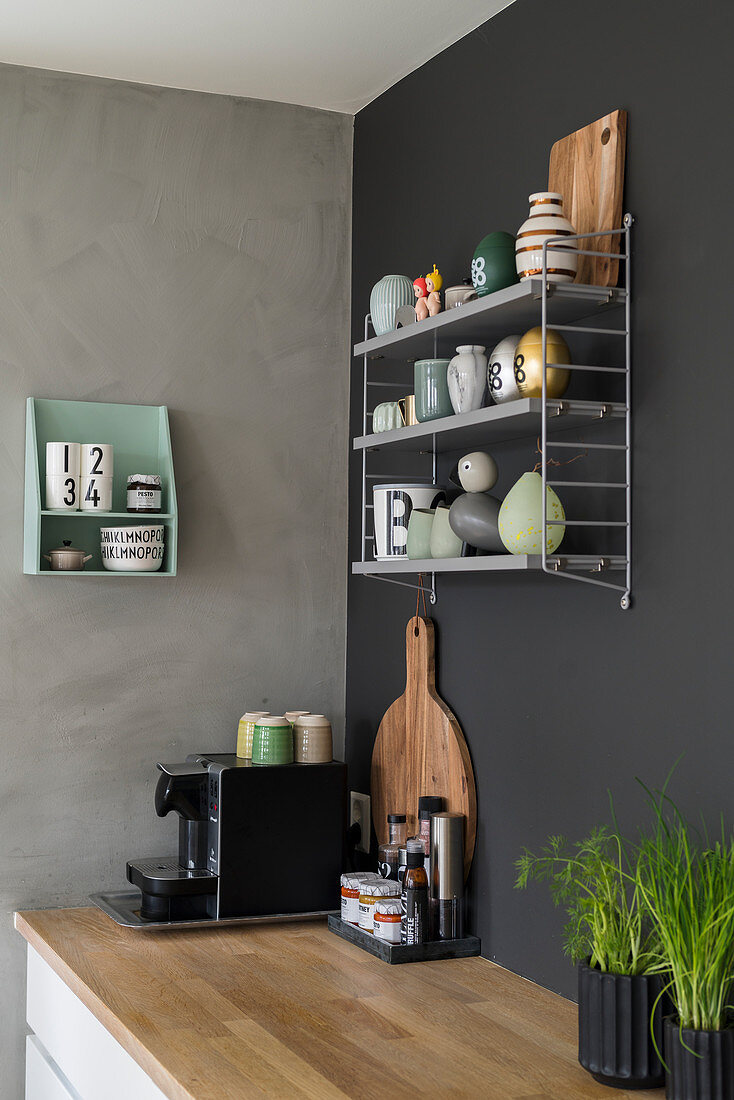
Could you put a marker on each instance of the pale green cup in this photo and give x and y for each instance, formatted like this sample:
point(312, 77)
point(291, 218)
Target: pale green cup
point(444, 543)
point(419, 533)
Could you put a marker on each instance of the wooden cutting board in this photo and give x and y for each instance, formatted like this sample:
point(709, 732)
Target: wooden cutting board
point(587, 168)
point(420, 748)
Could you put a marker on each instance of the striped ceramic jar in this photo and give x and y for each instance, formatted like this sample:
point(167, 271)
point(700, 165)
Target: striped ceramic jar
point(392, 292)
point(546, 220)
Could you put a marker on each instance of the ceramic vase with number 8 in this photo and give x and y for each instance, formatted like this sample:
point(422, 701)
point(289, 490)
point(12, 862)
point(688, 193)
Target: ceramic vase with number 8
point(501, 371)
point(528, 365)
point(493, 265)
point(467, 378)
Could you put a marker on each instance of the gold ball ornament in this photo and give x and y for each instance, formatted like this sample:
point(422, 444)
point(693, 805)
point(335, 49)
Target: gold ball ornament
point(529, 364)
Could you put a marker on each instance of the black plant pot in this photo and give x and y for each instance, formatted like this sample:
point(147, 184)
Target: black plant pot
point(615, 1043)
point(710, 1076)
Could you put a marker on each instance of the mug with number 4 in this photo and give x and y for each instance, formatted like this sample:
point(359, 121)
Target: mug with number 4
point(95, 493)
point(97, 459)
point(62, 493)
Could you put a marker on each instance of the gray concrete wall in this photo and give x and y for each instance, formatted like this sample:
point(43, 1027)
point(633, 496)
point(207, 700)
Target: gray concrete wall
point(165, 247)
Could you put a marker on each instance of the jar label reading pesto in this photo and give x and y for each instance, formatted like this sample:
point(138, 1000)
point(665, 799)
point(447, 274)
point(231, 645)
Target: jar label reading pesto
point(144, 499)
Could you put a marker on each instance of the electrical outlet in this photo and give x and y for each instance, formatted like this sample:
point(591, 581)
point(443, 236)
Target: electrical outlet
point(360, 814)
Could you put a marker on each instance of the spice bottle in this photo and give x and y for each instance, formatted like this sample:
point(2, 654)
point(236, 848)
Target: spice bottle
point(388, 856)
point(427, 804)
point(414, 897)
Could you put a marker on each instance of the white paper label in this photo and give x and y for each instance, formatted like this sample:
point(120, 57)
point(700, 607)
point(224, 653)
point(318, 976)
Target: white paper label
point(350, 910)
point(144, 499)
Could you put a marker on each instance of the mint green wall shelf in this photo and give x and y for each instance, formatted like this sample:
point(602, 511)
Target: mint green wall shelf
point(142, 443)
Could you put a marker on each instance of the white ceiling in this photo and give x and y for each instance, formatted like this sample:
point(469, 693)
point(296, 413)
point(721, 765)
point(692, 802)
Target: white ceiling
point(335, 54)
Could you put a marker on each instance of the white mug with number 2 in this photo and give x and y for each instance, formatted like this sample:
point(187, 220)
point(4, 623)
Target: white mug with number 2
point(96, 459)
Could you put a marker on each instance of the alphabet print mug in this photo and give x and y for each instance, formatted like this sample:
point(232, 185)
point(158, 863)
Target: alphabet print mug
point(392, 507)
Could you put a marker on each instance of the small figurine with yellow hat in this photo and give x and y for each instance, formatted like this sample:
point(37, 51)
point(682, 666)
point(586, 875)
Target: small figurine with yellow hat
point(434, 282)
point(428, 298)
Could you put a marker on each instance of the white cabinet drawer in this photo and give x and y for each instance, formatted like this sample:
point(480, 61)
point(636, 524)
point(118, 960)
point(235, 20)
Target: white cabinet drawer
point(93, 1061)
point(42, 1076)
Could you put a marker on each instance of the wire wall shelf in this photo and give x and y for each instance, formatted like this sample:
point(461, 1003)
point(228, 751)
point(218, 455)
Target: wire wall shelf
point(570, 308)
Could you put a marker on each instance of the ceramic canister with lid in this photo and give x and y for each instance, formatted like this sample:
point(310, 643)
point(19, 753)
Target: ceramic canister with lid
point(370, 893)
point(351, 885)
point(545, 222)
point(245, 731)
point(312, 740)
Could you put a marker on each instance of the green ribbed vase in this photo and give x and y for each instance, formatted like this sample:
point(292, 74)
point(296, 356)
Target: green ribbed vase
point(392, 292)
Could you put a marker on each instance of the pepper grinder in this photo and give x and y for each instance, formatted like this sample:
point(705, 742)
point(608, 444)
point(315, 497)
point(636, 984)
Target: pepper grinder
point(447, 876)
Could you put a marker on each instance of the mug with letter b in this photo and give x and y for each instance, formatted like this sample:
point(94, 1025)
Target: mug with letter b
point(393, 505)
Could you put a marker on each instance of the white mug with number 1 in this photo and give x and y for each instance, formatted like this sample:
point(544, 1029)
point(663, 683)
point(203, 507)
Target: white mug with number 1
point(62, 459)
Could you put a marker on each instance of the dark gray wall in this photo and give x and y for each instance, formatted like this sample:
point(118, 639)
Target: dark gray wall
point(165, 247)
point(560, 693)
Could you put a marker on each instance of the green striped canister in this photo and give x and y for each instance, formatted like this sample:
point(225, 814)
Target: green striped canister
point(392, 292)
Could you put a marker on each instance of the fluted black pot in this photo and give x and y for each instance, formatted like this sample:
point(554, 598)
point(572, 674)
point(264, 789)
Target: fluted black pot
point(615, 1043)
point(707, 1074)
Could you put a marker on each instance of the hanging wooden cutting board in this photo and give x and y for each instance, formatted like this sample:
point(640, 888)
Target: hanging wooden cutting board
point(420, 748)
point(587, 168)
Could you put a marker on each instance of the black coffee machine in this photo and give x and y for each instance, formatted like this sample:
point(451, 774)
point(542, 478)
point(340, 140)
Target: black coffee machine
point(254, 840)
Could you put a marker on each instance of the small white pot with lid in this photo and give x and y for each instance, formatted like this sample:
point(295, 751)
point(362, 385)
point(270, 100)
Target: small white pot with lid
point(67, 557)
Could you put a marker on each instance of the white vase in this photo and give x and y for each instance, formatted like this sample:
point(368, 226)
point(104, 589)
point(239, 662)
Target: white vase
point(521, 517)
point(501, 371)
point(546, 220)
point(467, 378)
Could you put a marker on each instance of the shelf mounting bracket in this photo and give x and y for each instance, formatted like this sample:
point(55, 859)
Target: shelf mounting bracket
point(430, 592)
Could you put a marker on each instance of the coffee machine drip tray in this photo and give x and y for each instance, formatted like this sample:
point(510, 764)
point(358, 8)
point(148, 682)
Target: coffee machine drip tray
point(124, 908)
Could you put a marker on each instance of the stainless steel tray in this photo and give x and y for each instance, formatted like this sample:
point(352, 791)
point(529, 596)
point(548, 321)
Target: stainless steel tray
point(124, 908)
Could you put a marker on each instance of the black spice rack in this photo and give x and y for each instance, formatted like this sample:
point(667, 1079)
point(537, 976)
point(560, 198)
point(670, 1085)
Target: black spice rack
point(405, 953)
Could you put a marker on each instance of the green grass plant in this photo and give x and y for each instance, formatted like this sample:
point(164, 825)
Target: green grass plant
point(595, 880)
point(687, 884)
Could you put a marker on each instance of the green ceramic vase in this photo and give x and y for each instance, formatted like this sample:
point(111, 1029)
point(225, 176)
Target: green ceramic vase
point(493, 266)
point(521, 517)
point(432, 400)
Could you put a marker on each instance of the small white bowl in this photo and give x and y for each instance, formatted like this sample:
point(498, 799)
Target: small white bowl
point(137, 549)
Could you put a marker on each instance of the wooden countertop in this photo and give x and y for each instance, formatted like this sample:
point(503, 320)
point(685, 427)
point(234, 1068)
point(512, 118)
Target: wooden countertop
point(292, 1011)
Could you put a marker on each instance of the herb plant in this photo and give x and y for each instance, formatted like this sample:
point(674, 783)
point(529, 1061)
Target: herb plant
point(595, 880)
point(687, 885)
